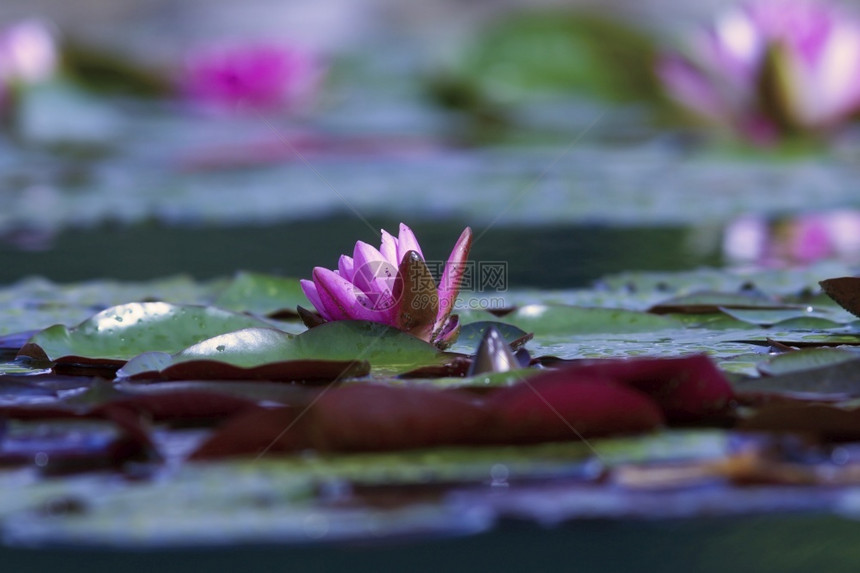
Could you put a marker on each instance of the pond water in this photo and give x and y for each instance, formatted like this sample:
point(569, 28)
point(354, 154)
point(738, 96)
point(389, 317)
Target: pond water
point(551, 256)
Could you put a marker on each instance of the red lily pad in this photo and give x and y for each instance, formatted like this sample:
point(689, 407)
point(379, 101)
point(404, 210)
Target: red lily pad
point(596, 399)
point(362, 417)
point(181, 406)
point(554, 407)
point(688, 389)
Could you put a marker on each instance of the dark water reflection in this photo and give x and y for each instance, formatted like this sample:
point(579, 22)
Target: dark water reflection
point(549, 256)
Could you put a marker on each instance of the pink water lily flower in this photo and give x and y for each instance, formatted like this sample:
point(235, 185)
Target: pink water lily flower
point(802, 239)
point(770, 67)
point(393, 285)
point(28, 55)
point(262, 77)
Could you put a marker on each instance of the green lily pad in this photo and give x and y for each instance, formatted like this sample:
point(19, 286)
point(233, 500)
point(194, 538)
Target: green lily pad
point(536, 52)
point(118, 333)
point(388, 350)
point(772, 316)
point(835, 378)
point(808, 323)
point(806, 359)
point(706, 301)
point(561, 319)
point(262, 294)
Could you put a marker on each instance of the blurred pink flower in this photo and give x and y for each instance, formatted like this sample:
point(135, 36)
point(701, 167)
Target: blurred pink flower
point(393, 286)
point(260, 77)
point(28, 55)
point(798, 240)
point(767, 67)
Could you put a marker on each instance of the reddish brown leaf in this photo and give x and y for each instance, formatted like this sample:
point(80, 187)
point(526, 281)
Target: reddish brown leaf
point(372, 417)
point(845, 291)
point(257, 432)
point(829, 423)
point(688, 389)
point(286, 371)
point(555, 406)
point(180, 406)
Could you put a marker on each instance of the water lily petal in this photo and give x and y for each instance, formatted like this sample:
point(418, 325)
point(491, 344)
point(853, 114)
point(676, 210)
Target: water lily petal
point(691, 88)
point(310, 290)
point(821, 91)
point(406, 242)
point(336, 294)
point(346, 267)
point(452, 276)
point(344, 301)
point(771, 68)
point(374, 276)
point(389, 248)
point(28, 52)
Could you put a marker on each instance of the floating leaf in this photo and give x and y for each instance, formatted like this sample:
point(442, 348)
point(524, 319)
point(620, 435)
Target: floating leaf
point(539, 52)
point(553, 407)
point(365, 417)
point(561, 319)
point(839, 378)
point(769, 317)
point(387, 349)
point(829, 423)
point(332, 350)
point(620, 396)
point(353, 418)
point(688, 389)
point(705, 302)
point(118, 333)
point(806, 359)
point(262, 294)
point(806, 341)
point(68, 446)
point(808, 323)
